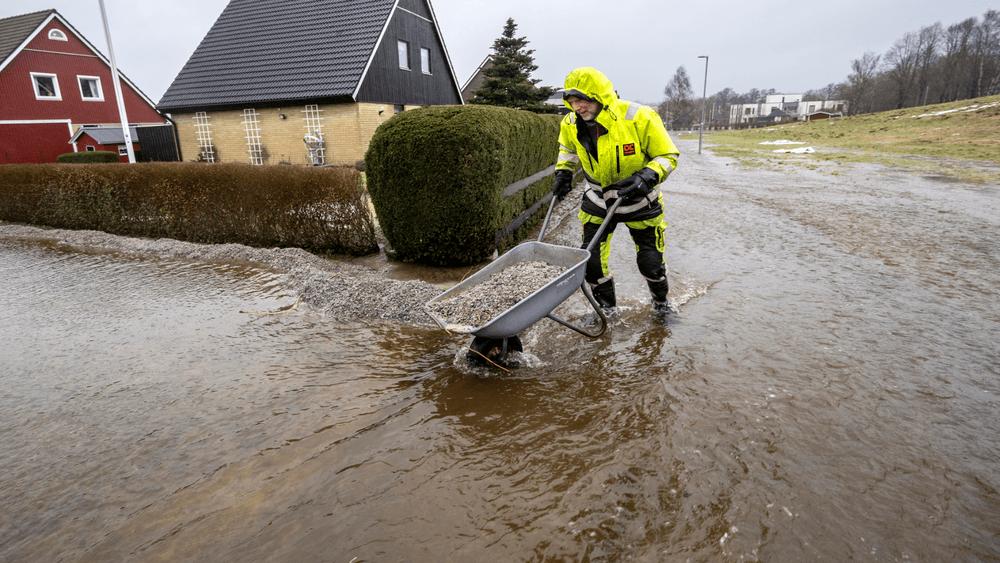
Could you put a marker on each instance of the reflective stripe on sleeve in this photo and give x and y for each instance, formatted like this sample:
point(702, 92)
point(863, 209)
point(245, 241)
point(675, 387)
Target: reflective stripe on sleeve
point(665, 163)
point(568, 157)
point(633, 109)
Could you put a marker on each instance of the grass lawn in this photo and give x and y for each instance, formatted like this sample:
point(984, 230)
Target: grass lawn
point(957, 139)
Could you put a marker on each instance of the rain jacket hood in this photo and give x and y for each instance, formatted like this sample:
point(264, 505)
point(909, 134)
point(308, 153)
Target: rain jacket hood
point(591, 84)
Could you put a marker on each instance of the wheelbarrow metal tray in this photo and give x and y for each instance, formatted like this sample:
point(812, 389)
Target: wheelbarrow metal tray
point(531, 309)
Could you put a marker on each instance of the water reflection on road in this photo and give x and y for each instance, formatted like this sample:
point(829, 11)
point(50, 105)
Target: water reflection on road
point(828, 391)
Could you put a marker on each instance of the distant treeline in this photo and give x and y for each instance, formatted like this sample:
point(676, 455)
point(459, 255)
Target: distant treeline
point(933, 65)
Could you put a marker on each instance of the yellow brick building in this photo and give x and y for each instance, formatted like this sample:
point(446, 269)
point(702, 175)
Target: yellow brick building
point(269, 75)
point(277, 135)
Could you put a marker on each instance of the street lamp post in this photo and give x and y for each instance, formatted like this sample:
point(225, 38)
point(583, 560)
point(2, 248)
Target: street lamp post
point(704, 93)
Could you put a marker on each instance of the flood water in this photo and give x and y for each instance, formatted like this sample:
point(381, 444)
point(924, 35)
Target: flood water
point(827, 391)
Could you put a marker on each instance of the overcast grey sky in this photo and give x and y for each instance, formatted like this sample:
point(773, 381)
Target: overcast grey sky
point(638, 44)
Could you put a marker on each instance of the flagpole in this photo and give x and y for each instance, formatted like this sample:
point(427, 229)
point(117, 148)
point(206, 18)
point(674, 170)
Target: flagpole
point(118, 88)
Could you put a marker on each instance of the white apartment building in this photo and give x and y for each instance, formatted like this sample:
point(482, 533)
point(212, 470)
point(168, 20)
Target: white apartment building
point(785, 107)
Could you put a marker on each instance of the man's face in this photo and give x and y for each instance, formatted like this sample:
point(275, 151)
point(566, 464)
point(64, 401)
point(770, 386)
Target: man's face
point(586, 109)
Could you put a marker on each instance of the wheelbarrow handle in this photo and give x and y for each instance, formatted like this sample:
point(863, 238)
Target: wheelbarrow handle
point(611, 213)
point(545, 224)
point(552, 205)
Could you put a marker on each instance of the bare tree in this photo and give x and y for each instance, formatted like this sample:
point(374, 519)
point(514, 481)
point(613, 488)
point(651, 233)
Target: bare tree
point(861, 83)
point(754, 96)
point(955, 62)
point(813, 96)
point(900, 66)
point(725, 96)
point(994, 17)
point(821, 94)
point(935, 64)
point(679, 96)
point(986, 40)
point(679, 87)
point(927, 58)
point(722, 102)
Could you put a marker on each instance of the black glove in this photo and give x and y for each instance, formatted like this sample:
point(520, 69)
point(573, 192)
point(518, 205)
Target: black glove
point(637, 186)
point(563, 184)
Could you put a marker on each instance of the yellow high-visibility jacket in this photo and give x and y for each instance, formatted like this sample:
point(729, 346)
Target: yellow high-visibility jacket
point(629, 136)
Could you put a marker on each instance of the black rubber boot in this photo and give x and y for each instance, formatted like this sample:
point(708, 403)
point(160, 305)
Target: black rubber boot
point(604, 294)
point(659, 289)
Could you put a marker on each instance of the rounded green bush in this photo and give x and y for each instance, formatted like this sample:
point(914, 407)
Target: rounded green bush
point(436, 177)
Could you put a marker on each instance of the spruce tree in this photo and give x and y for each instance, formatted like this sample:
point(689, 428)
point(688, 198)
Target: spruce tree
point(508, 82)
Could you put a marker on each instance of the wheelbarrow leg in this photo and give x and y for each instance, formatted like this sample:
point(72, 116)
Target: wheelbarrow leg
point(495, 349)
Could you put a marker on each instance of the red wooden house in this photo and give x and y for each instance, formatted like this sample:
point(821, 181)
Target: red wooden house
point(54, 82)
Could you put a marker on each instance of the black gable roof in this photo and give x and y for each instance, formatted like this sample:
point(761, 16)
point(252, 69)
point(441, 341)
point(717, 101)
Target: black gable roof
point(265, 52)
point(15, 29)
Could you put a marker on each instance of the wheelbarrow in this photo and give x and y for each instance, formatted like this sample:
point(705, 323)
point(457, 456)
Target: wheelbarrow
point(499, 336)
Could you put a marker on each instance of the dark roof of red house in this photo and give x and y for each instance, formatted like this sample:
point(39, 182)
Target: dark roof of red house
point(15, 29)
point(261, 51)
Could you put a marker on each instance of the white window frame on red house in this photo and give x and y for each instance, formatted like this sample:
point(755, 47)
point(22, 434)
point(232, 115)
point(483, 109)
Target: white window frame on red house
point(90, 148)
point(97, 84)
point(57, 35)
point(55, 84)
point(122, 150)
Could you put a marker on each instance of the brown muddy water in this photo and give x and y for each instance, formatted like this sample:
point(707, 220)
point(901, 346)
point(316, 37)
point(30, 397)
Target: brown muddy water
point(828, 391)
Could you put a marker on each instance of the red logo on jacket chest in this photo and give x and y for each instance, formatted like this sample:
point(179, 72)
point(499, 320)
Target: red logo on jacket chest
point(629, 149)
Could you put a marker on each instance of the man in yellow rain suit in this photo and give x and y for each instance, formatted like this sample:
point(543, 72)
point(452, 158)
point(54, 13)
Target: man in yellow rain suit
point(625, 153)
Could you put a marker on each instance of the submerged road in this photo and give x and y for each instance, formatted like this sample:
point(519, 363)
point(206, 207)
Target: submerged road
point(827, 390)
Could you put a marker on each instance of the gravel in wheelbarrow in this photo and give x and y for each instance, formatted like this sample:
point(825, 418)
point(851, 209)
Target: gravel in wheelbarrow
point(476, 306)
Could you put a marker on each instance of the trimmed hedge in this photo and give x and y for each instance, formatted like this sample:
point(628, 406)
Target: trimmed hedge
point(319, 209)
point(436, 177)
point(88, 157)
